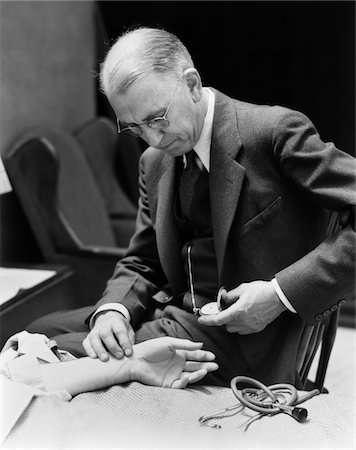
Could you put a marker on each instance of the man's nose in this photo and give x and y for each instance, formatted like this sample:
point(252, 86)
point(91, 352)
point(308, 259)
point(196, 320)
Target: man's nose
point(151, 136)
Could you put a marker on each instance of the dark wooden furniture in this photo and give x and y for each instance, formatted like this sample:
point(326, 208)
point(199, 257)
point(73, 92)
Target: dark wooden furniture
point(53, 294)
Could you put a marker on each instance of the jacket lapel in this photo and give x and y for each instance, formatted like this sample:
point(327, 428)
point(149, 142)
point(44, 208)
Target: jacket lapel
point(225, 182)
point(167, 235)
point(226, 175)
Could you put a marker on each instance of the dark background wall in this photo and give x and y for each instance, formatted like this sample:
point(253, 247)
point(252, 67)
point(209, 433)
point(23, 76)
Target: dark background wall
point(297, 54)
point(46, 64)
point(47, 53)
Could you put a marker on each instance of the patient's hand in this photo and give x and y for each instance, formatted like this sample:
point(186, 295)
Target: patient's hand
point(170, 362)
point(166, 361)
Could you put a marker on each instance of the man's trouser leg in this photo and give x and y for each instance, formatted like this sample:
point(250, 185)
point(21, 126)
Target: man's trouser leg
point(67, 328)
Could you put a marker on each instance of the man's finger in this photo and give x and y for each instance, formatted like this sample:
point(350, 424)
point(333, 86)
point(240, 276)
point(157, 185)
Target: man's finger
point(222, 318)
point(88, 348)
point(132, 336)
point(98, 347)
point(231, 297)
point(226, 300)
point(236, 292)
point(124, 341)
point(113, 346)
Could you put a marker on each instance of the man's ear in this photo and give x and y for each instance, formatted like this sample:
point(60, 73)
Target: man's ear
point(194, 84)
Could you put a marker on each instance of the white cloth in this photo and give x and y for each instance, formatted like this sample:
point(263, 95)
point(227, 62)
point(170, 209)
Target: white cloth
point(21, 376)
point(138, 416)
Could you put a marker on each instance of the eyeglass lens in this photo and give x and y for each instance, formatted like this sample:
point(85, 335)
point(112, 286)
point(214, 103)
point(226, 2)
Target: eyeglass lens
point(158, 123)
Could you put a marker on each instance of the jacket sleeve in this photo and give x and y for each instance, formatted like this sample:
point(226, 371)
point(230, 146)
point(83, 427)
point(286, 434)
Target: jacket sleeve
point(317, 282)
point(138, 276)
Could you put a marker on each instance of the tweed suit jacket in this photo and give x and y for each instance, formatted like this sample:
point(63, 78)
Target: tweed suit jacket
point(273, 183)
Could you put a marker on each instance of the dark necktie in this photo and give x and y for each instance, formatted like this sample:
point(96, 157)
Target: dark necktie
point(188, 180)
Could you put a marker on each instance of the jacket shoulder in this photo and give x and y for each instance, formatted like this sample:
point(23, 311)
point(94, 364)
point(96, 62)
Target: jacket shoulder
point(263, 113)
point(264, 122)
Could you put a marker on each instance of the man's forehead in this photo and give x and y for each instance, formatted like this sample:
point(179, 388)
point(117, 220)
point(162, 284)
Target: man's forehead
point(143, 99)
point(154, 82)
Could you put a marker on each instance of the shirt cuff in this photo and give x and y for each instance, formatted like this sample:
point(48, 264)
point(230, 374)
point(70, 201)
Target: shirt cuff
point(119, 307)
point(281, 296)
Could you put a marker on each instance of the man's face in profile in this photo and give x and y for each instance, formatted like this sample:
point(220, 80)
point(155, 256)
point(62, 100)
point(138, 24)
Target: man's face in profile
point(148, 98)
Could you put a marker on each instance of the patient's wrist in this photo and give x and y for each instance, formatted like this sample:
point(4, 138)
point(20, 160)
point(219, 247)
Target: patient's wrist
point(134, 366)
point(118, 370)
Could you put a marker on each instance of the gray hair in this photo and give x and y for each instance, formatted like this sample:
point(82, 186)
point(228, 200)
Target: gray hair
point(138, 53)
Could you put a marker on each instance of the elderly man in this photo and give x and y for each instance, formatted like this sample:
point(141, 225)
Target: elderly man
point(234, 201)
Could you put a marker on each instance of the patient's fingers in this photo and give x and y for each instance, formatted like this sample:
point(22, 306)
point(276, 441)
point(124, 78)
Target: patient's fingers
point(182, 344)
point(189, 378)
point(194, 377)
point(193, 366)
point(182, 382)
point(197, 355)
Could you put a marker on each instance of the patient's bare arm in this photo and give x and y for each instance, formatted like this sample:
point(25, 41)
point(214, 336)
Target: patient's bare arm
point(167, 362)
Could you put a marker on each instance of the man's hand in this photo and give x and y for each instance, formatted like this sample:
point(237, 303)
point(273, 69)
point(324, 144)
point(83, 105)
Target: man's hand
point(170, 362)
point(112, 333)
point(252, 306)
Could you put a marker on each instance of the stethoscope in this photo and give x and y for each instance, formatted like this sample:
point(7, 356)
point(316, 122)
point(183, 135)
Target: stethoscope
point(274, 399)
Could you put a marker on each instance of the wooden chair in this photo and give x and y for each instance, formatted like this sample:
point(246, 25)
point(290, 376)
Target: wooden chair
point(321, 335)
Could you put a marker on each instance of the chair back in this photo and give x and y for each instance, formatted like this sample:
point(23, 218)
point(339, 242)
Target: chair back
point(57, 191)
point(321, 335)
point(98, 139)
point(35, 189)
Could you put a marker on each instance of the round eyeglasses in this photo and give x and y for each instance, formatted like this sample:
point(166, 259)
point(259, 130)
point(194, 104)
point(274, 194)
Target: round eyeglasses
point(156, 123)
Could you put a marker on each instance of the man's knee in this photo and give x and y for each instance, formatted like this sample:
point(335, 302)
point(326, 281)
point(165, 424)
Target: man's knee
point(60, 322)
point(165, 326)
point(47, 325)
point(72, 343)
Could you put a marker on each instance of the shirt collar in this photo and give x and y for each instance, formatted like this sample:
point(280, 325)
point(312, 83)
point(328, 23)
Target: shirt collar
point(202, 147)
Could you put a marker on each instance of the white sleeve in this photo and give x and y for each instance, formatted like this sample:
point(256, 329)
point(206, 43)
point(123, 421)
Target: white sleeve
point(110, 307)
point(281, 296)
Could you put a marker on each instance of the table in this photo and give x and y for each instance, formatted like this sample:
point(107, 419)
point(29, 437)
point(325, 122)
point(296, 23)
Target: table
point(139, 417)
point(54, 293)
